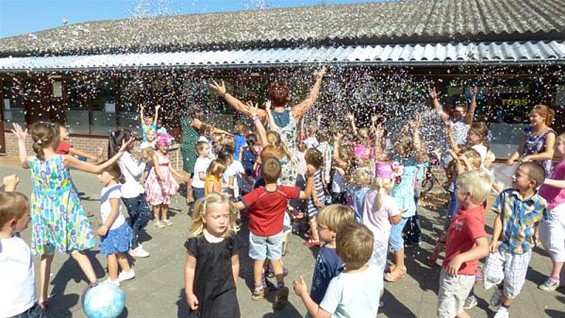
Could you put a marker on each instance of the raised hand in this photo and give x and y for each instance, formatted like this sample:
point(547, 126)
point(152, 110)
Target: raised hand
point(125, 144)
point(321, 72)
point(157, 107)
point(218, 88)
point(433, 93)
point(251, 109)
point(19, 132)
point(415, 123)
point(350, 116)
point(474, 90)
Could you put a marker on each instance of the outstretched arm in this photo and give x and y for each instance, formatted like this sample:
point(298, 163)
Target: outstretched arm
point(22, 152)
point(220, 89)
point(72, 162)
point(299, 110)
point(437, 105)
point(141, 109)
point(351, 118)
point(261, 132)
point(472, 107)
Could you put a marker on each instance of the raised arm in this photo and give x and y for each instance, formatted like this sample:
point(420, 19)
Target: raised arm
point(141, 109)
point(299, 110)
point(270, 117)
point(472, 107)
point(22, 138)
point(156, 117)
point(220, 89)
point(437, 105)
point(351, 118)
point(261, 132)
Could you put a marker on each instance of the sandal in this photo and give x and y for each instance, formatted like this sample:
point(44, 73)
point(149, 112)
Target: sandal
point(395, 275)
point(312, 243)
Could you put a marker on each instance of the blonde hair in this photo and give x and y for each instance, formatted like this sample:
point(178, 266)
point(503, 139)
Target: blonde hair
point(216, 167)
point(201, 208)
point(474, 158)
point(13, 205)
point(361, 177)
point(544, 111)
point(335, 216)
point(477, 183)
point(381, 186)
point(274, 138)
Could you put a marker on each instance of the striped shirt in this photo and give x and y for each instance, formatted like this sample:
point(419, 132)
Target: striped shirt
point(519, 216)
point(326, 151)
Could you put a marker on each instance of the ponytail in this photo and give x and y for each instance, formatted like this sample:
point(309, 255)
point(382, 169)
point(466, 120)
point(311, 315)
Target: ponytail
point(382, 186)
point(43, 134)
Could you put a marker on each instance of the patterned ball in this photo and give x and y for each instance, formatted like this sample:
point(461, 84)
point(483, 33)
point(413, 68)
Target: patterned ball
point(103, 300)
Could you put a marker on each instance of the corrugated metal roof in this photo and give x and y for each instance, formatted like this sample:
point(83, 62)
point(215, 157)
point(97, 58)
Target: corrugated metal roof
point(400, 22)
point(412, 54)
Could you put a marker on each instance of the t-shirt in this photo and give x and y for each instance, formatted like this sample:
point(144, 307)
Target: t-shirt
point(235, 170)
point(132, 169)
point(17, 278)
point(311, 142)
point(354, 295)
point(328, 265)
point(145, 129)
point(63, 148)
point(111, 192)
point(266, 208)
point(554, 196)
point(465, 227)
point(240, 141)
point(201, 165)
point(378, 220)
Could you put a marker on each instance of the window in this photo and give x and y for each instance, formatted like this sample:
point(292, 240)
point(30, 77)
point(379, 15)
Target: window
point(14, 109)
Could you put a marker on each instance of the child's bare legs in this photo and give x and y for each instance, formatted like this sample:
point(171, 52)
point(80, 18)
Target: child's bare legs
point(189, 193)
point(157, 212)
point(165, 211)
point(84, 263)
point(258, 274)
point(279, 271)
point(398, 270)
point(463, 314)
point(44, 275)
point(123, 262)
point(314, 237)
point(113, 267)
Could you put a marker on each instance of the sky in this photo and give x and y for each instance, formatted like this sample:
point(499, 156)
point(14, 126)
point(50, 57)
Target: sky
point(24, 16)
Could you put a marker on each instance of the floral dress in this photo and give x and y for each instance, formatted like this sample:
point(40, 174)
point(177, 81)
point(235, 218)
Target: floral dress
point(536, 144)
point(57, 217)
point(161, 192)
point(288, 135)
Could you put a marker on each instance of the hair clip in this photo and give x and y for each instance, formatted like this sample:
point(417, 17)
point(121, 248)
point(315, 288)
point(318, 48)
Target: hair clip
point(38, 141)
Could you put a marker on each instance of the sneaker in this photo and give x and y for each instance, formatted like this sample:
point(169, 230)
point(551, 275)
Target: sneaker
point(549, 285)
point(281, 298)
point(470, 302)
point(496, 298)
point(502, 313)
point(139, 252)
point(168, 222)
point(259, 294)
point(159, 224)
point(126, 275)
point(115, 282)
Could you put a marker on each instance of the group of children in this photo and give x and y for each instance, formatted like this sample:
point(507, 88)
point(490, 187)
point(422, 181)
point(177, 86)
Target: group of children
point(357, 195)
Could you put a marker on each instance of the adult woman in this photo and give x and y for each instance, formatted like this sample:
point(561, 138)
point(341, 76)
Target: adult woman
point(539, 139)
point(190, 135)
point(284, 118)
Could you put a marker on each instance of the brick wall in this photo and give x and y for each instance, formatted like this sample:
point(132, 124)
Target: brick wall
point(86, 144)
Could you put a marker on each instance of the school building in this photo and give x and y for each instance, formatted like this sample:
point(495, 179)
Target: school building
point(92, 76)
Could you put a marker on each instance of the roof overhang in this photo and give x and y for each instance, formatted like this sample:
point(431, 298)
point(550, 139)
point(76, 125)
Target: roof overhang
point(437, 54)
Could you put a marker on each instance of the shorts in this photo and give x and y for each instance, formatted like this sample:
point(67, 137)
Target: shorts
point(198, 193)
point(263, 247)
point(508, 268)
point(379, 256)
point(452, 293)
point(396, 241)
point(552, 233)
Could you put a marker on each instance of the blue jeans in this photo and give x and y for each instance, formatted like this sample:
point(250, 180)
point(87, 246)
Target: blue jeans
point(33, 312)
point(139, 215)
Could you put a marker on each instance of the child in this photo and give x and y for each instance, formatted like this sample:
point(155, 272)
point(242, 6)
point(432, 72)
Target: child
point(17, 282)
point(214, 174)
point(317, 200)
point(240, 130)
point(115, 234)
point(133, 192)
point(58, 218)
point(148, 122)
point(212, 252)
point(65, 147)
point(466, 244)
point(267, 206)
point(357, 188)
point(380, 212)
point(249, 154)
point(160, 185)
point(349, 294)
point(328, 263)
point(200, 168)
point(552, 231)
point(515, 231)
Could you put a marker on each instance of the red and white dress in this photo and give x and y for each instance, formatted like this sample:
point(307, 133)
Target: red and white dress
point(161, 192)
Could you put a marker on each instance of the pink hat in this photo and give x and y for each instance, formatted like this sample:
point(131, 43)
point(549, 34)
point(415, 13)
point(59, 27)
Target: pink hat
point(384, 170)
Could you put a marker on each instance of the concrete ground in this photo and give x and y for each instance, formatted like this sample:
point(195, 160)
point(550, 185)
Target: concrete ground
point(158, 291)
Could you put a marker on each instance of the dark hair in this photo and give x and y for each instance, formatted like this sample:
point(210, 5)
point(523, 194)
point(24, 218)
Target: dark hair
point(116, 139)
point(251, 142)
point(115, 171)
point(271, 169)
point(314, 157)
point(278, 94)
point(225, 154)
point(43, 134)
point(535, 171)
point(13, 205)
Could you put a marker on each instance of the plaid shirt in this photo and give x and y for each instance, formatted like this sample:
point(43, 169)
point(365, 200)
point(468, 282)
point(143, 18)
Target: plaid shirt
point(518, 219)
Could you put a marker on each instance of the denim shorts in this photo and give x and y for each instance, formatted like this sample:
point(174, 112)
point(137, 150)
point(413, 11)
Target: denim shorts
point(262, 247)
point(396, 241)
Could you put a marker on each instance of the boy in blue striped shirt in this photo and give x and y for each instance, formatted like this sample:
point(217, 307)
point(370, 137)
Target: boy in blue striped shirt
point(519, 210)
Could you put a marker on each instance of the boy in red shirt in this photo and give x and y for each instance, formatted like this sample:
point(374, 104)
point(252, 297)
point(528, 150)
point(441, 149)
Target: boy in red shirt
point(466, 243)
point(267, 206)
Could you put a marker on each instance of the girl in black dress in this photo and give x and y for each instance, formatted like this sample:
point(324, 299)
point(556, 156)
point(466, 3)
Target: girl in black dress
point(212, 260)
